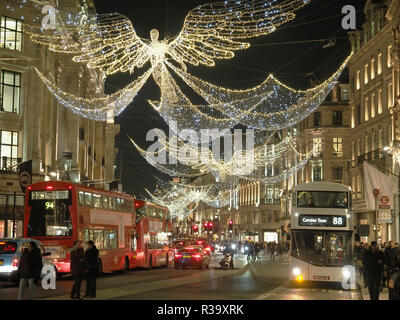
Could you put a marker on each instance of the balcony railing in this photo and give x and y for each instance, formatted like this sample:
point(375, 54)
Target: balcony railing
point(9, 164)
point(378, 154)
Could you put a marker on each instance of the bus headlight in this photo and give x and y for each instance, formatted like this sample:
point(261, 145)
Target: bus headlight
point(346, 273)
point(296, 271)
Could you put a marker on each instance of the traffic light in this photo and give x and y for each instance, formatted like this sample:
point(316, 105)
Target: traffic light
point(230, 226)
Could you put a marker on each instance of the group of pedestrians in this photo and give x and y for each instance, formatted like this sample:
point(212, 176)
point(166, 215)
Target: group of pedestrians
point(376, 265)
point(281, 248)
point(84, 265)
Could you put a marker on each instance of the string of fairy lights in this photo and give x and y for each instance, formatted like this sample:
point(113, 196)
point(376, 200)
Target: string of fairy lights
point(214, 31)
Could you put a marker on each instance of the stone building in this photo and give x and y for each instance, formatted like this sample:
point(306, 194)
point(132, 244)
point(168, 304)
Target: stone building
point(375, 84)
point(34, 126)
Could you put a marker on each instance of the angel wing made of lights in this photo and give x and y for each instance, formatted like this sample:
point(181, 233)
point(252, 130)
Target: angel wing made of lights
point(210, 31)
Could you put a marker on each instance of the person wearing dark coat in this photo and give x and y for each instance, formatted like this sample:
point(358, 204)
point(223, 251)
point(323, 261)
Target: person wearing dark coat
point(392, 262)
point(79, 268)
point(29, 270)
point(374, 261)
point(92, 258)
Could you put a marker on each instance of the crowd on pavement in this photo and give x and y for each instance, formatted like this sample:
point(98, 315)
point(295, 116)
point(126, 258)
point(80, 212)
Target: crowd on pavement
point(378, 265)
point(84, 266)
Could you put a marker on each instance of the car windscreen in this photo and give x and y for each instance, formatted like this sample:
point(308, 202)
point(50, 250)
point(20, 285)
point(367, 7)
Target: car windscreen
point(50, 214)
point(7, 247)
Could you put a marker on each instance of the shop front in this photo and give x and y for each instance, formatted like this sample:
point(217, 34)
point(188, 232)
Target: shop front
point(11, 215)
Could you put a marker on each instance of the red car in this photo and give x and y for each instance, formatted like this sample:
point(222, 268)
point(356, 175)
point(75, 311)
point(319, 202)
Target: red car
point(203, 243)
point(192, 256)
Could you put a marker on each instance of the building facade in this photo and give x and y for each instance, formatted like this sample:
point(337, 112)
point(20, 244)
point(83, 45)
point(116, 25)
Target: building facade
point(374, 79)
point(34, 126)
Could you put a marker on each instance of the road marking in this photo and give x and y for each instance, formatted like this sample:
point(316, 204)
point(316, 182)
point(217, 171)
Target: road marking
point(272, 292)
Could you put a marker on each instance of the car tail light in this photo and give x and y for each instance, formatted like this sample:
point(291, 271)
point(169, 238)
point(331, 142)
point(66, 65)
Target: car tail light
point(197, 256)
point(15, 264)
point(49, 187)
point(178, 255)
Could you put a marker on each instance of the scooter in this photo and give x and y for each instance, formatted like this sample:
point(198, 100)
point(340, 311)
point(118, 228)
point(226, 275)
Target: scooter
point(226, 261)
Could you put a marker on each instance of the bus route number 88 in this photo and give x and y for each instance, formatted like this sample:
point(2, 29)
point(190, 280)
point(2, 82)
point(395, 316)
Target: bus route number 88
point(337, 221)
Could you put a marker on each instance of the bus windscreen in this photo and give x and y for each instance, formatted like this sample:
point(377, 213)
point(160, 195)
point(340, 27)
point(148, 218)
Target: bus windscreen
point(322, 199)
point(50, 214)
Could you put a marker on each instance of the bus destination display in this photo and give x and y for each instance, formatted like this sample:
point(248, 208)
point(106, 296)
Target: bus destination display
point(322, 221)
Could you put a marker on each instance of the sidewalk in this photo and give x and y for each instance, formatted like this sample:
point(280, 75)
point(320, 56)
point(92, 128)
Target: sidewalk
point(384, 295)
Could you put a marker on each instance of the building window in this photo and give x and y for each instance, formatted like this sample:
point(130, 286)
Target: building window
point(380, 101)
point(337, 118)
point(358, 115)
point(358, 147)
point(390, 95)
point(353, 186)
point(358, 80)
point(372, 68)
point(389, 56)
point(353, 153)
point(337, 147)
point(337, 174)
point(379, 62)
point(366, 73)
point(317, 119)
point(373, 106)
point(366, 143)
point(359, 187)
point(316, 173)
point(345, 94)
point(11, 34)
point(366, 109)
point(372, 28)
point(8, 148)
point(317, 147)
point(10, 88)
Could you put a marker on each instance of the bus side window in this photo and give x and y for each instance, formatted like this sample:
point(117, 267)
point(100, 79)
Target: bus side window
point(97, 201)
point(88, 199)
point(81, 196)
point(112, 203)
point(105, 202)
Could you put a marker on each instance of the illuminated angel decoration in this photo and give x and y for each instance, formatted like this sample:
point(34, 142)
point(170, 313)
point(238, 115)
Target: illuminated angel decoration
point(109, 42)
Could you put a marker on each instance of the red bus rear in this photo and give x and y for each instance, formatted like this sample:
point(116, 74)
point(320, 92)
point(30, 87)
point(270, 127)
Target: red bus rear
point(58, 213)
point(153, 234)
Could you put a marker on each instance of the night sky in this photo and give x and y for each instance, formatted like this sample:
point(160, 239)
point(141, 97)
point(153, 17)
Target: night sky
point(290, 53)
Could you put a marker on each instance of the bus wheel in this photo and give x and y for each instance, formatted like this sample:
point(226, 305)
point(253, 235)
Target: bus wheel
point(126, 265)
point(150, 263)
point(100, 268)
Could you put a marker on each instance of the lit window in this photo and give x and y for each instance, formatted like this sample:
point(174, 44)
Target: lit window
point(8, 148)
point(390, 95)
point(366, 73)
point(345, 94)
point(10, 34)
point(366, 109)
point(317, 147)
point(373, 68)
point(380, 101)
point(10, 88)
point(379, 62)
point(373, 106)
point(337, 147)
point(358, 80)
point(389, 56)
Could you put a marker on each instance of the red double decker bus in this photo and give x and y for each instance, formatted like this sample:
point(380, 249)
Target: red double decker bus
point(58, 213)
point(153, 233)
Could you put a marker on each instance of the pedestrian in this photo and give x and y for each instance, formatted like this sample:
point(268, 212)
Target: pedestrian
point(280, 251)
point(374, 261)
point(272, 250)
point(29, 270)
point(250, 253)
point(364, 272)
point(257, 249)
point(79, 268)
point(391, 258)
point(92, 258)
